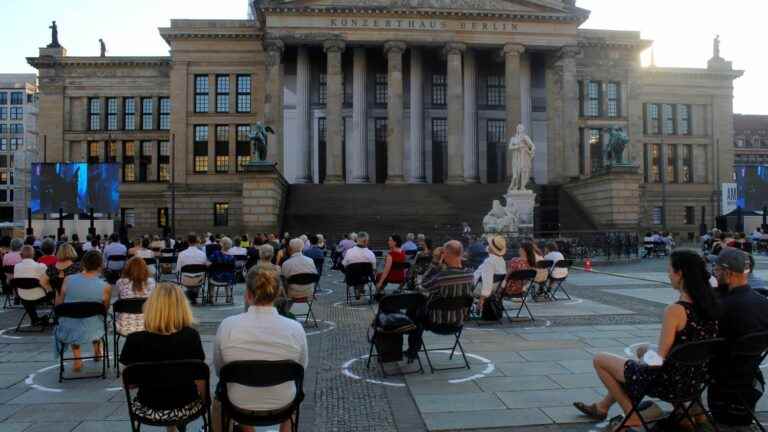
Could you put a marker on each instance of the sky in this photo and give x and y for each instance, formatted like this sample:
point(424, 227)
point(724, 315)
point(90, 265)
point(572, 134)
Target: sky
point(682, 30)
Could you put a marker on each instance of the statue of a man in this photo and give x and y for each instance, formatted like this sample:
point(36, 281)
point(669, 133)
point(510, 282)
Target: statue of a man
point(259, 141)
point(716, 47)
point(103, 47)
point(616, 144)
point(54, 36)
point(522, 151)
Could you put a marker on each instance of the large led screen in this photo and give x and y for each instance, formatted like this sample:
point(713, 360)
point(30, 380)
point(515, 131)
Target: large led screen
point(75, 187)
point(752, 184)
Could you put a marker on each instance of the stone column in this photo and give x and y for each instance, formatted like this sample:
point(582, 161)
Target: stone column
point(359, 117)
point(334, 48)
point(454, 53)
point(570, 98)
point(303, 160)
point(513, 103)
point(395, 145)
point(471, 174)
point(417, 174)
point(273, 99)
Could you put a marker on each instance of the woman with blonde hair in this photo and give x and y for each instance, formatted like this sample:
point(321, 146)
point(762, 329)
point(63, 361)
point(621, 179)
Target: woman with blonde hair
point(65, 266)
point(168, 336)
point(136, 282)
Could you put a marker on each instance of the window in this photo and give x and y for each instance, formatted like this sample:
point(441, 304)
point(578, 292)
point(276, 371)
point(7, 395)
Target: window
point(3, 113)
point(690, 216)
point(147, 106)
point(439, 89)
point(129, 113)
point(243, 93)
point(200, 151)
point(93, 152)
point(592, 106)
point(668, 113)
point(657, 215)
point(3, 98)
point(672, 172)
point(17, 128)
point(17, 143)
point(165, 113)
point(17, 98)
point(740, 142)
point(652, 119)
point(162, 217)
point(145, 160)
point(613, 97)
point(129, 164)
point(164, 161)
point(222, 149)
point(652, 167)
point(201, 93)
point(595, 150)
point(684, 119)
point(497, 150)
point(111, 151)
point(220, 214)
point(243, 147)
point(495, 90)
point(111, 113)
point(687, 174)
point(322, 96)
point(222, 93)
point(440, 149)
point(17, 113)
point(94, 114)
point(381, 89)
point(348, 90)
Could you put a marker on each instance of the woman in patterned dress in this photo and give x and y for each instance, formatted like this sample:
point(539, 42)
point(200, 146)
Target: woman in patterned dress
point(692, 318)
point(135, 283)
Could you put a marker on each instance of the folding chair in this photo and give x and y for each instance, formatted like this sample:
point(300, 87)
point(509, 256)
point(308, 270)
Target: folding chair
point(260, 374)
point(558, 282)
point(543, 273)
point(240, 262)
point(31, 294)
point(193, 277)
point(649, 247)
point(693, 355)
point(215, 285)
point(360, 274)
point(152, 263)
point(8, 292)
point(111, 272)
point(166, 377)
point(305, 279)
point(525, 278)
point(446, 309)
point(396, 303)
point(751, 349)
point(498, 286)
point(165, 262)
point(82, 310)
point(133, 306)
point(319, 265)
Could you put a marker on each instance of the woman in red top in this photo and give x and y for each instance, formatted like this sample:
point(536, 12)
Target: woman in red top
point(528, 255)
point(396, 255)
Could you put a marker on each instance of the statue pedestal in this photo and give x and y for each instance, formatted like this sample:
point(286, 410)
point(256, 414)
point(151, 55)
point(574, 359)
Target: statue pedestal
point(524, 202)
point(264, 190)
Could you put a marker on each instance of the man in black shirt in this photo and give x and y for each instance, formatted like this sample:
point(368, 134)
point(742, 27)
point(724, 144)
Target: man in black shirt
point(744, 312)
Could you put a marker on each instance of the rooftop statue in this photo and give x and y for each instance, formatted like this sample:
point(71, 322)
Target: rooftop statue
point(616, 144)
point(54, 36)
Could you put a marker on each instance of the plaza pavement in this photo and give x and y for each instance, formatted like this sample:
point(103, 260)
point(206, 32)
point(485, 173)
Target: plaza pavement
point(524, 376)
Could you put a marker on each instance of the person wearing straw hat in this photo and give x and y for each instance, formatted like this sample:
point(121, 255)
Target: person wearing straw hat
point(493, 265)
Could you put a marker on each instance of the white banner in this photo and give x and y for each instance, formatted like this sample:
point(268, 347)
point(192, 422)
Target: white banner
point(730, 195)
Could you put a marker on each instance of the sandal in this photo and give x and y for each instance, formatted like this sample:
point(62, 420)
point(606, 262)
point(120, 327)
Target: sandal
point(590, 411)
point(613, 425)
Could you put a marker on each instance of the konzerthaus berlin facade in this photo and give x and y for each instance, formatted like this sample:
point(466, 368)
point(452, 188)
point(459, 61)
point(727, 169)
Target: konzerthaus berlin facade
point(394, 91)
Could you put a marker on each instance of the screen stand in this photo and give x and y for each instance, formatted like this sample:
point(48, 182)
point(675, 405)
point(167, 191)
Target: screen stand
point(92, 228)
point(30, 231)
point(60, 232)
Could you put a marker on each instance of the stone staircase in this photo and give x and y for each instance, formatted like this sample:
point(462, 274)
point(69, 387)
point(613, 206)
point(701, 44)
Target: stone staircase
point(558, 210)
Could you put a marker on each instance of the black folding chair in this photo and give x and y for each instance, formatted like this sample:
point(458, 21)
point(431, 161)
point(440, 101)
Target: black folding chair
point(159, 377)
point(360, 274)
point(214, 284)
point(152, 263)
point(111, 271)
point(193, 278)
point(134, 306)
point(446, 314)
point(692, 355)
point(167, 262)
point(750, 350)
point(240, 263)
point(319, 264)
point(525, 279)
point(305, 279)
point(83, 310)
point(396, 303)
point(558, 282)
point(260, 374)
point(498, 286)
point(31, 295)
point(542, 286)
point(8, 292)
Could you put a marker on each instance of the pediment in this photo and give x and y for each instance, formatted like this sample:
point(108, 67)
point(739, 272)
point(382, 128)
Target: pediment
point(486, 6)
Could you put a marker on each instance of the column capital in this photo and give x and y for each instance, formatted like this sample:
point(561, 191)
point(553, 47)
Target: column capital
point(569, 52)
point(514, 49)
point(395, 46)
point(274, 49)
point(454, 48)
point(334, 45)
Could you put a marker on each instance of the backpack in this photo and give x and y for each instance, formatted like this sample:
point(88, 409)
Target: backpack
point(493, 309)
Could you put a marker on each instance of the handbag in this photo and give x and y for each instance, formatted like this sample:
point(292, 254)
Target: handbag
point(395, 322)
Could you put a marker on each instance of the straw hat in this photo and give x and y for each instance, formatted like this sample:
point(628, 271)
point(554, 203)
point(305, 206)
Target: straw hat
point(497, 245)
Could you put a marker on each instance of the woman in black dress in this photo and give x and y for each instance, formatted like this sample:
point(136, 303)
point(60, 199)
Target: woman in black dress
point(692, 318)
point(168, 336)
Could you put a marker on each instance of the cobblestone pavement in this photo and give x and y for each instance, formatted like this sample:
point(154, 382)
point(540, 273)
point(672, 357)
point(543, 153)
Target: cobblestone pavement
point(523, 377)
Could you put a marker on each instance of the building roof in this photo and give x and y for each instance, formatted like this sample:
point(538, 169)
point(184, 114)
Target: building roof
point(17, 80)
point(743, 122)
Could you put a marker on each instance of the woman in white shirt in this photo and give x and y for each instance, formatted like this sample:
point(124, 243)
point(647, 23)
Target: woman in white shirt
point(493, 265)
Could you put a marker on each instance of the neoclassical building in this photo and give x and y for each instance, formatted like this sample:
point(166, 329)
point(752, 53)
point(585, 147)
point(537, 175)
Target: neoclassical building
point(420, 93)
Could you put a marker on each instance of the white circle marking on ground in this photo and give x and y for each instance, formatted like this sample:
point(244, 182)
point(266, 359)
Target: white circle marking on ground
point(344, 304)
point(331, 326)
point(3, 331)
point(30, 380)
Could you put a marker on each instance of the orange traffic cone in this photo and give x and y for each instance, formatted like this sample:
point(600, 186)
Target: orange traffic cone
point(588, 264)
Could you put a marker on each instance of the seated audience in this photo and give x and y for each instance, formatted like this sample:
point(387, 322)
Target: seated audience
point(553, 254)
point(142, 249)
point(283, 252)
point(527, 258)
point(27, 268)
point(168, 336)
point(477, 251)
point(48, 248)
point(347, 243)
point(493, 265)
point(744, 312)
point(297, 263)
point(13, 257)
point(244, 242)
point(114, 248)
point(86, 286)
point(421, 264)
point(260, 334)
point(314, 251)
point(320, 241)
point(221, 256)
point(65, 266)
point(410, 245)
point(359, 254)
point(238, 248)
point(136, 282)
point(157, 245)
point(192, 255)
point(395, 255)
point(692, 318)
